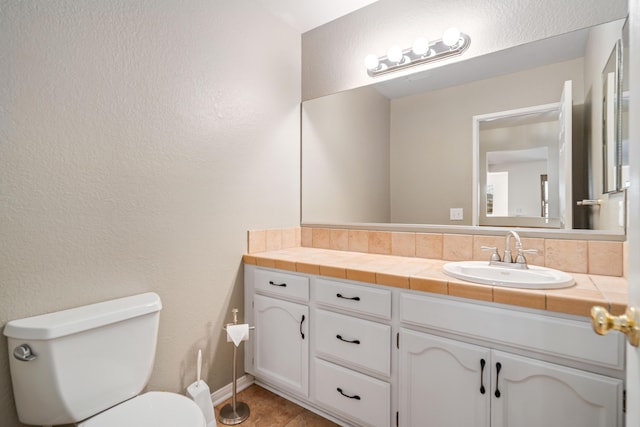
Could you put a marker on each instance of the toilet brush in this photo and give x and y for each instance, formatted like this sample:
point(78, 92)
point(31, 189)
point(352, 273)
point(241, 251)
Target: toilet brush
point(199, 393)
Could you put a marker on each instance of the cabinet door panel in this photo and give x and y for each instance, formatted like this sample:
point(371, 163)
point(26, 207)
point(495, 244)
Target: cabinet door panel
point(440, 382)
point(282, 343)
point(535, 393)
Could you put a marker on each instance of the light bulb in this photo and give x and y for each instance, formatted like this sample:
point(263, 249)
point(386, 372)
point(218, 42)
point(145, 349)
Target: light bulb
point(420, 46)
point(394, 54)
point(371, 61)
point(451, 36)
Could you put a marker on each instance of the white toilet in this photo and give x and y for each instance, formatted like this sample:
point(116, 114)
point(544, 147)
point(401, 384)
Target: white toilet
point(87, 365)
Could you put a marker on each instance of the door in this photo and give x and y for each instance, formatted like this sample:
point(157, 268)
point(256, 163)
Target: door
point(442, 382)
point(633, 235)
point(531, 393)
point(281, 348)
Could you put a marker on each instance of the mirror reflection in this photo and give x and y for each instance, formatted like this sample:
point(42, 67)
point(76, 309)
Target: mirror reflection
point(401, 151)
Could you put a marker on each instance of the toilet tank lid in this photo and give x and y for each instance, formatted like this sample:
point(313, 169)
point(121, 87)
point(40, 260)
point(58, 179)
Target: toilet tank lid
point(74, 320)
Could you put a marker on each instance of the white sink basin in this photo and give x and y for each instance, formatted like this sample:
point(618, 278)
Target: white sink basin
point(533, 278)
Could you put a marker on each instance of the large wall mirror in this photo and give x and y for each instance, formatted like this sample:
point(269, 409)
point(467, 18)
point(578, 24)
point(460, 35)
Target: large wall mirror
point(401, 151)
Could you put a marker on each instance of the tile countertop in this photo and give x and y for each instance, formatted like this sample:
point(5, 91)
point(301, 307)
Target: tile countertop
point(426, 275)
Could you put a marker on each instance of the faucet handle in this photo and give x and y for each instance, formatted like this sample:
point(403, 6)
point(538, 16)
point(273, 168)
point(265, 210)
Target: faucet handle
point(495, 256)
point(520, 259)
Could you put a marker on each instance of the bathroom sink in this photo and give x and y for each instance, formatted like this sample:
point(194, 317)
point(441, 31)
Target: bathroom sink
point(532, 278)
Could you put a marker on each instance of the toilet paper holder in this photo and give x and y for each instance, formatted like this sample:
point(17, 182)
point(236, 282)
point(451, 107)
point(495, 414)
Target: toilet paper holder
point(235, 412)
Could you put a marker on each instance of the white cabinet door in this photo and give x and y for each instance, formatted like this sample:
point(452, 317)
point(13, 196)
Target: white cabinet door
point(282, 344)
point(532, 393)
point(442, 382)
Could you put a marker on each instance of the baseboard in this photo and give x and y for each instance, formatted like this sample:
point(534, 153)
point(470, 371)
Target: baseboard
point(225, 392)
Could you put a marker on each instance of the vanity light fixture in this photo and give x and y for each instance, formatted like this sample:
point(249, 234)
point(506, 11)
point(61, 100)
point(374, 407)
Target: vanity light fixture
point(453, 42)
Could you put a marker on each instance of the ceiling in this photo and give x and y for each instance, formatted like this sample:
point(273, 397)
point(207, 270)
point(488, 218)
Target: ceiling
point(304, 15)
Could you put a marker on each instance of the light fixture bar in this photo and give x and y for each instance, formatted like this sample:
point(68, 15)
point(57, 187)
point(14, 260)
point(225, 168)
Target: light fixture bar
point(426, 52)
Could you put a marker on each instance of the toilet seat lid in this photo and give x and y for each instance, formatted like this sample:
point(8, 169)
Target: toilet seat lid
point(152, 409)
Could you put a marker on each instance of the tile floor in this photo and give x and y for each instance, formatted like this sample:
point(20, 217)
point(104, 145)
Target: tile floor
point(270, 410)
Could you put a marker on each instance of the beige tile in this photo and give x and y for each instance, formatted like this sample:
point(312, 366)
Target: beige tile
point(566, 255)
point(306, 237)
point(394, 280)
point(359, 241)
point(309, 419)
point(257, 241)
point(429, 245)
point(248, 259)
point(321, 238)
point(625, 259)
point(290, 237)
point(457, 247)
point(285, 265)
point(266, 262)
point(403, 244)
point(436, 286)
point(520, 297)
point(274, 240)
point(578, 303)
point(605, 258)
point(304, 267)
point(470, 290)
point(330, 271)
point(380, 242)
point(339, 239)
point(361, 275)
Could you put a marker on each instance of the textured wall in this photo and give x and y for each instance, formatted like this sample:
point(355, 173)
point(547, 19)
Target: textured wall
point(139, 140)
point(333, 54)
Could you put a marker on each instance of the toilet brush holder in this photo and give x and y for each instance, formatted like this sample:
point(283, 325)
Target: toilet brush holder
point(199, 392)
point(235, 412)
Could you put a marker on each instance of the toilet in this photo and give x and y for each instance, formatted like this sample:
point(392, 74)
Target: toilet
point(87, 366)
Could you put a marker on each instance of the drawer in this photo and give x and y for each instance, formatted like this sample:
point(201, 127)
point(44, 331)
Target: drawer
point(361, 398)
point(282, 285)
point(347, 339)
point(355, 298)
point(555, 336)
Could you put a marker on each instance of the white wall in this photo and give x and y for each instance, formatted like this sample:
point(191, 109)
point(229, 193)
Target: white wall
point(333, 54)
point(345, 177)
point(139, 140)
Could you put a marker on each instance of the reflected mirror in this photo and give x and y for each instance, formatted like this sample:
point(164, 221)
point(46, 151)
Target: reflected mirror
point(611, 122)
point(522, 167)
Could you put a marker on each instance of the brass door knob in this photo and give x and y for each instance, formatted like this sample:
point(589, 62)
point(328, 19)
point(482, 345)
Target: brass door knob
point(629, 323)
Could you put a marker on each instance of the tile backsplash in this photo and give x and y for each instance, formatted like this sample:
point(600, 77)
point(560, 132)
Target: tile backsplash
point(575, 256)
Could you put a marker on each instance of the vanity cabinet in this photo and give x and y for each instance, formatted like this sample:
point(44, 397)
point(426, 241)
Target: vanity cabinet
point(446, 382)
point(447, 377)
point(281, 338)
point(370, 355)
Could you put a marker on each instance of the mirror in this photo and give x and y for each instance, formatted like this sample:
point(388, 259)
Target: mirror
point(611, 123)
point(522, 166)
point(400, 151)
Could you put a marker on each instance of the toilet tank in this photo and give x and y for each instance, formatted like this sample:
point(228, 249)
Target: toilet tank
point(87, 359)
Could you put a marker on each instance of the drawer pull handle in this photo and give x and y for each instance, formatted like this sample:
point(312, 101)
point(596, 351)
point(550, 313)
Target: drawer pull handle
point(352, 298)
point(271, 282)
point(498, 367)
point(355, 396)
point(482, 363)
point(349, 341)
point(301, 322)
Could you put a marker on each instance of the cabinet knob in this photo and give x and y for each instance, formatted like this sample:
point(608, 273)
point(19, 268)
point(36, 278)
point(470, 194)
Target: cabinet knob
point(628, 323)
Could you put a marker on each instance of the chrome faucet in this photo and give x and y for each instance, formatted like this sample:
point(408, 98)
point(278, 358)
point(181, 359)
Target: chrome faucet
point(507, 260)
point(507, 246)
